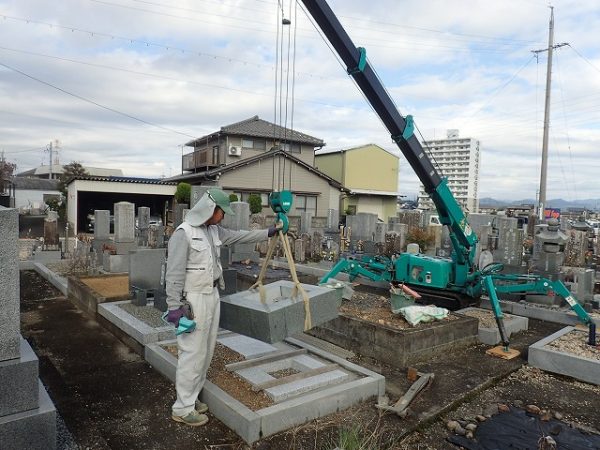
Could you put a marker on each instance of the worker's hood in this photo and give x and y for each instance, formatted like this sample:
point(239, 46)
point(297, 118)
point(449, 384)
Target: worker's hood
point(201, 212)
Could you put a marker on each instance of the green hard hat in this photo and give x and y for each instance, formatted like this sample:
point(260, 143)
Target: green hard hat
point(221, 199)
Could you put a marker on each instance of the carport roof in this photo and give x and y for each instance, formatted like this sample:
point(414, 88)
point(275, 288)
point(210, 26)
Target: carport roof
point(123, 180)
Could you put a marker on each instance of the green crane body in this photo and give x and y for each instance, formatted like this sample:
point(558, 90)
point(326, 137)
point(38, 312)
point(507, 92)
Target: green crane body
point(457, 275)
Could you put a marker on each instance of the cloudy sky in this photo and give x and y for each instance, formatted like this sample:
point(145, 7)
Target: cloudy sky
point(124, 83)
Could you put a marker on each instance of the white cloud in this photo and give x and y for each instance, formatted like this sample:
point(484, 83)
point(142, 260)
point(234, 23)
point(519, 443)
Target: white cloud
point(450, 64)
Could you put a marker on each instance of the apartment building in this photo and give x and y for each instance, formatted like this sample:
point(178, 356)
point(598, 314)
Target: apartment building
point(457, 159)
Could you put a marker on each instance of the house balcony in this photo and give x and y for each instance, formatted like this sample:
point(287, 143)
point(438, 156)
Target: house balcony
point(201, 159)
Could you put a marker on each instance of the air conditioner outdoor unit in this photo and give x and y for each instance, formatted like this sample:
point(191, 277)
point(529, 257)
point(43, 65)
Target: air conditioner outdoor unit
point(235, 151)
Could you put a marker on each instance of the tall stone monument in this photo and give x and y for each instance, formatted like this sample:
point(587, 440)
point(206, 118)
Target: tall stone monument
point(27, 415)
point(124, 222)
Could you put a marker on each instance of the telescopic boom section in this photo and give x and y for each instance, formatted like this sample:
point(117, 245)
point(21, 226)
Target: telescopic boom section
point(400, 128)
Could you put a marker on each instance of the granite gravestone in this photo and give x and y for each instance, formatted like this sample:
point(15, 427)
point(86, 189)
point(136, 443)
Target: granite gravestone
point(362, 225)
point(179, 210)
point(124, 222)
point(27, 415)
point(143, 223)
point(101, 224)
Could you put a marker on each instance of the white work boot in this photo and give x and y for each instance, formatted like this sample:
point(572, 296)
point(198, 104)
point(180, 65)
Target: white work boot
point(201, 407)
point(193, 419)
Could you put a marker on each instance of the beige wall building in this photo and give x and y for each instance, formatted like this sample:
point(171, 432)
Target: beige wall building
point(369, 172)
point(256, 157)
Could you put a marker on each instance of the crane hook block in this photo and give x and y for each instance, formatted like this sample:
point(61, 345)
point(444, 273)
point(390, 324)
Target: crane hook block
point(281, 203)
point(362, 61)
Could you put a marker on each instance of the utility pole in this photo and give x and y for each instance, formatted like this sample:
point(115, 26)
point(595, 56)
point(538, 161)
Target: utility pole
point(50, 151)
point(544, 169)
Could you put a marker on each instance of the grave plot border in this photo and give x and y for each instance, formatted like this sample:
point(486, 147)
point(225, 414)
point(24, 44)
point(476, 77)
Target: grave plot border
point(491, 335)
point(131, 326)
point(254, 425)
point(545, 358)
point(563, 316)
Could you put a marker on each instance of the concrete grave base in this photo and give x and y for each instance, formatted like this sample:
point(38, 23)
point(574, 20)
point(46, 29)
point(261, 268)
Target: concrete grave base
point(564, 315)
point(45, 256)
point(18, 389)
point(398, 347)
point(85, 297)
point(132, 326)
point(34, 429)
point(552, 360)
point(280, 316)
point(299, 406)
point(491, 335)
point(115, 263)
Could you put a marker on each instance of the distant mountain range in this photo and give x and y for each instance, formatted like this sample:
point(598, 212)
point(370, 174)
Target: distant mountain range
point(591, 203)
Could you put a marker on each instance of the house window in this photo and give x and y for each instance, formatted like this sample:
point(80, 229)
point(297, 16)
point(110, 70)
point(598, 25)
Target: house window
point(291, 148)
point(306, 203)
point(243, 196)
point(257, 144)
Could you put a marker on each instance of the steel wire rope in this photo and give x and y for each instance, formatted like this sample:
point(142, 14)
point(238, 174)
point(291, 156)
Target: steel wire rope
point(275, 99)
point(281, 173)
point(293, 77)
point(108, 108)
point(287, 97)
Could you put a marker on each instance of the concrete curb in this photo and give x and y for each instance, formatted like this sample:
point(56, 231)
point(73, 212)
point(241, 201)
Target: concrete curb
point(545, 358)
point(59, 282)
point(532, 311)
point(491, 335)
point(137, 329)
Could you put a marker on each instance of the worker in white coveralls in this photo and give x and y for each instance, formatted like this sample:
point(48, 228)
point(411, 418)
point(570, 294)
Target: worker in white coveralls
point(193, 276)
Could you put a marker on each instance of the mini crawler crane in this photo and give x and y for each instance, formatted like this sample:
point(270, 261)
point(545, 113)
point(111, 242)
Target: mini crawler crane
point(455, 279)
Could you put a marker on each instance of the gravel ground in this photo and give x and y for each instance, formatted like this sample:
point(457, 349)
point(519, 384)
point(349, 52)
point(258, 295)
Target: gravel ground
point(486, 318)
point(64, 438)
point(230, 382)
point(576, 343)
point(147, 314)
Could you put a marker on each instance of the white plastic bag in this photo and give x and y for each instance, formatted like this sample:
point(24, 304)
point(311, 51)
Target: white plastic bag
point(417, 314)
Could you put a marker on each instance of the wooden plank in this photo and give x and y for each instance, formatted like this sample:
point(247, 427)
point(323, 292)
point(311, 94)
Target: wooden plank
point(295, 377)
point(499, 352)
point(264, 359)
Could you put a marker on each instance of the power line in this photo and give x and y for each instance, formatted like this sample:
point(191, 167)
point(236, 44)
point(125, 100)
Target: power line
point(446, 34)
point(94, 103)
point(583, 57)
point(187, 51)
point(264, 30)
point(25, 151)
point(137, 72)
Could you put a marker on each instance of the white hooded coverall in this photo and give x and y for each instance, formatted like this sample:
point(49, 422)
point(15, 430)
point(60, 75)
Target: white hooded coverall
point(194, 270)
